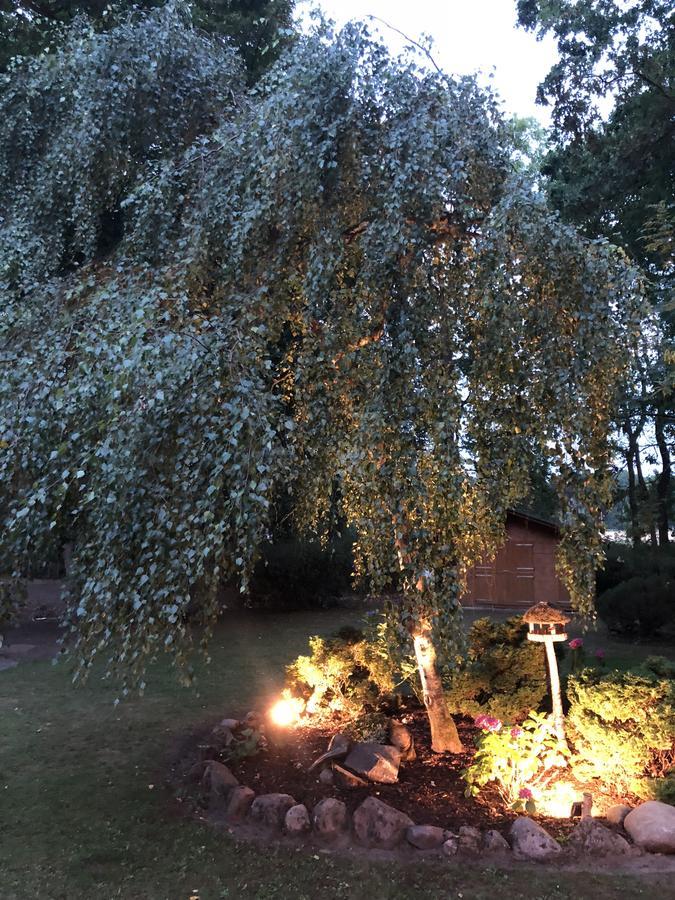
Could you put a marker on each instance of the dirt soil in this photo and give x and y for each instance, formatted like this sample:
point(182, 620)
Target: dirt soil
point(430, 790)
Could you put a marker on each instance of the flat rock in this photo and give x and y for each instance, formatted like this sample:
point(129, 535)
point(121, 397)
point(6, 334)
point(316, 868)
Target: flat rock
point(595, 839)
point(232, 724)
point(425, 837)
point(530, 841)
point(495, 842)
point(217, 780)
point(652, 826)
point(470, 839)
point(345, 779)
point(270, 809)
point(377, 824)
point(297, 821)
point(330, 819)
point(375, 762)
point(616, 814)
point(239, 802)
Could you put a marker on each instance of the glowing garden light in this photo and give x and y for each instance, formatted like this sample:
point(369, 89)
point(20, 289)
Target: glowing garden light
point(286, 711)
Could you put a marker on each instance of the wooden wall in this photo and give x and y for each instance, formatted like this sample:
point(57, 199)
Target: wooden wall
point(523, 572)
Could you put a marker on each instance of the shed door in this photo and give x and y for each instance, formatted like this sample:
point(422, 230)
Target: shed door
point(518, 577)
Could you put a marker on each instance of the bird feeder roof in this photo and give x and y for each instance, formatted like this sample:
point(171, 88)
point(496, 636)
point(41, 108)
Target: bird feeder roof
point(545, 614)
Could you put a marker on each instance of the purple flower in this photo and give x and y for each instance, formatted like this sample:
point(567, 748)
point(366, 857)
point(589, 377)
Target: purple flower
point(487, 723)
point(576, 644)
point(599, 653)
point(525, 794)
point(516, 731)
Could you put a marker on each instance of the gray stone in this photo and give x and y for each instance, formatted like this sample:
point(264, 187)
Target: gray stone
point(296, 821)
point(239, 802)
point(270, 809)
point(232, 724)
point(616, 814)
point(345, 779)
point(494, 842)
point(222, 735)
point(7, 664)
point(376, 762)
point(378, 825)
point(450, 847)
point(470, 839)
point(595, 839)
point(217, 780)
point(652, 826)
point(326, 776)
point(531, 841)
point(330, 819)
point(338, 746)
point(425, 837)
point(401, 738)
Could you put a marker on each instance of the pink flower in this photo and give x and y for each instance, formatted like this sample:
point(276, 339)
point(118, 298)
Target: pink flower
point(487, 723)
point(599, 653)
point(516, 731)
point(525, 794)
point(576, 644)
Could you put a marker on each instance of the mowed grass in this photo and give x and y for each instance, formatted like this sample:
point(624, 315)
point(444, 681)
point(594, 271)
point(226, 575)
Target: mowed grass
point(84, 812)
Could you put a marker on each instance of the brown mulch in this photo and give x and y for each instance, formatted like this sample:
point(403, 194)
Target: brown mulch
point(430, 790)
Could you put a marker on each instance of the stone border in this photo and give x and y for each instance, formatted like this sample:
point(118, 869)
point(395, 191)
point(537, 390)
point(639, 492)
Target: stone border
point(376, 826)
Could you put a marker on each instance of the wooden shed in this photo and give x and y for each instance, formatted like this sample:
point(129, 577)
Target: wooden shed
point(523, 572)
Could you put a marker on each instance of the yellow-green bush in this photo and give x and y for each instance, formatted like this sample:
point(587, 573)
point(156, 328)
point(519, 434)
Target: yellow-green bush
point(347, 673)
point(622, 726)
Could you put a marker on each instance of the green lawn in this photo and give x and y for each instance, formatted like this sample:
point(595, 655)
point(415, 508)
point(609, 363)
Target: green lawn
point(85, 814)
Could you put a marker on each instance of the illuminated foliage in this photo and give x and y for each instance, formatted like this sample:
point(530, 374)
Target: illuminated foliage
point(334, 279)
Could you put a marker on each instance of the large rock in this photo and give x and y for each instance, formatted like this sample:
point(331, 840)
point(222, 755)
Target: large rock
point(338, 746)
point(470, 839)
point(652, 826)
point(296, 821)
point(616, 814)
point(270, 809)
point(378, 825)
point(217, 780)
point(239, 802)
point(593, 838)
point(330, 819)
point(494, 842)
point(531, 841)
point(376, 762)
point(425, 837)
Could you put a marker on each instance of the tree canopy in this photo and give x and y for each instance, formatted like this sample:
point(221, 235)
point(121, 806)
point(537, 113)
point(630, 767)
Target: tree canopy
point(338, 277)
point(614, 175)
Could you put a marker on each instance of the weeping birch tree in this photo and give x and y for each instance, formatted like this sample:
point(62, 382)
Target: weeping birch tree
point(338, 278)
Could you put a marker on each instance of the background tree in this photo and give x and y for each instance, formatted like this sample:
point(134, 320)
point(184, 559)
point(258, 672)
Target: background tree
point(613, 176)
point(342, 283)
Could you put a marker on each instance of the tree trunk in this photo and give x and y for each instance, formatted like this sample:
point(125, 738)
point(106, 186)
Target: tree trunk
point(663, 481)
point(632, 499)
point(444, 735)
point(556, 699)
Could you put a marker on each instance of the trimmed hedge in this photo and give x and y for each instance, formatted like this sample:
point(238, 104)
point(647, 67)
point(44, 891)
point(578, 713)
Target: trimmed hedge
point(640, 607)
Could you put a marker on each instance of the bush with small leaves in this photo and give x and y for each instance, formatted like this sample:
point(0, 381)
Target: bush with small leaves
point(623, 723)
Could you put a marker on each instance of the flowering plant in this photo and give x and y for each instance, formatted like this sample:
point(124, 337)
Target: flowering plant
point(517, 758)
point(576, 643)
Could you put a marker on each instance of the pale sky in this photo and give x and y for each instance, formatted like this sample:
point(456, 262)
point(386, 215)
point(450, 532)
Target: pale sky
point(469, 36)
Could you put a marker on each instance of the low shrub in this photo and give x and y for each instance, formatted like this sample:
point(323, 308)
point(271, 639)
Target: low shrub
point(622, 726)
point(517, 758)
point(640, 607)
point(347, 673)
point(504, 674)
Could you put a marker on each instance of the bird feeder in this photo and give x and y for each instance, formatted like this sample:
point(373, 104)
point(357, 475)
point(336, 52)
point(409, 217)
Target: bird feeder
point(547, 625)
